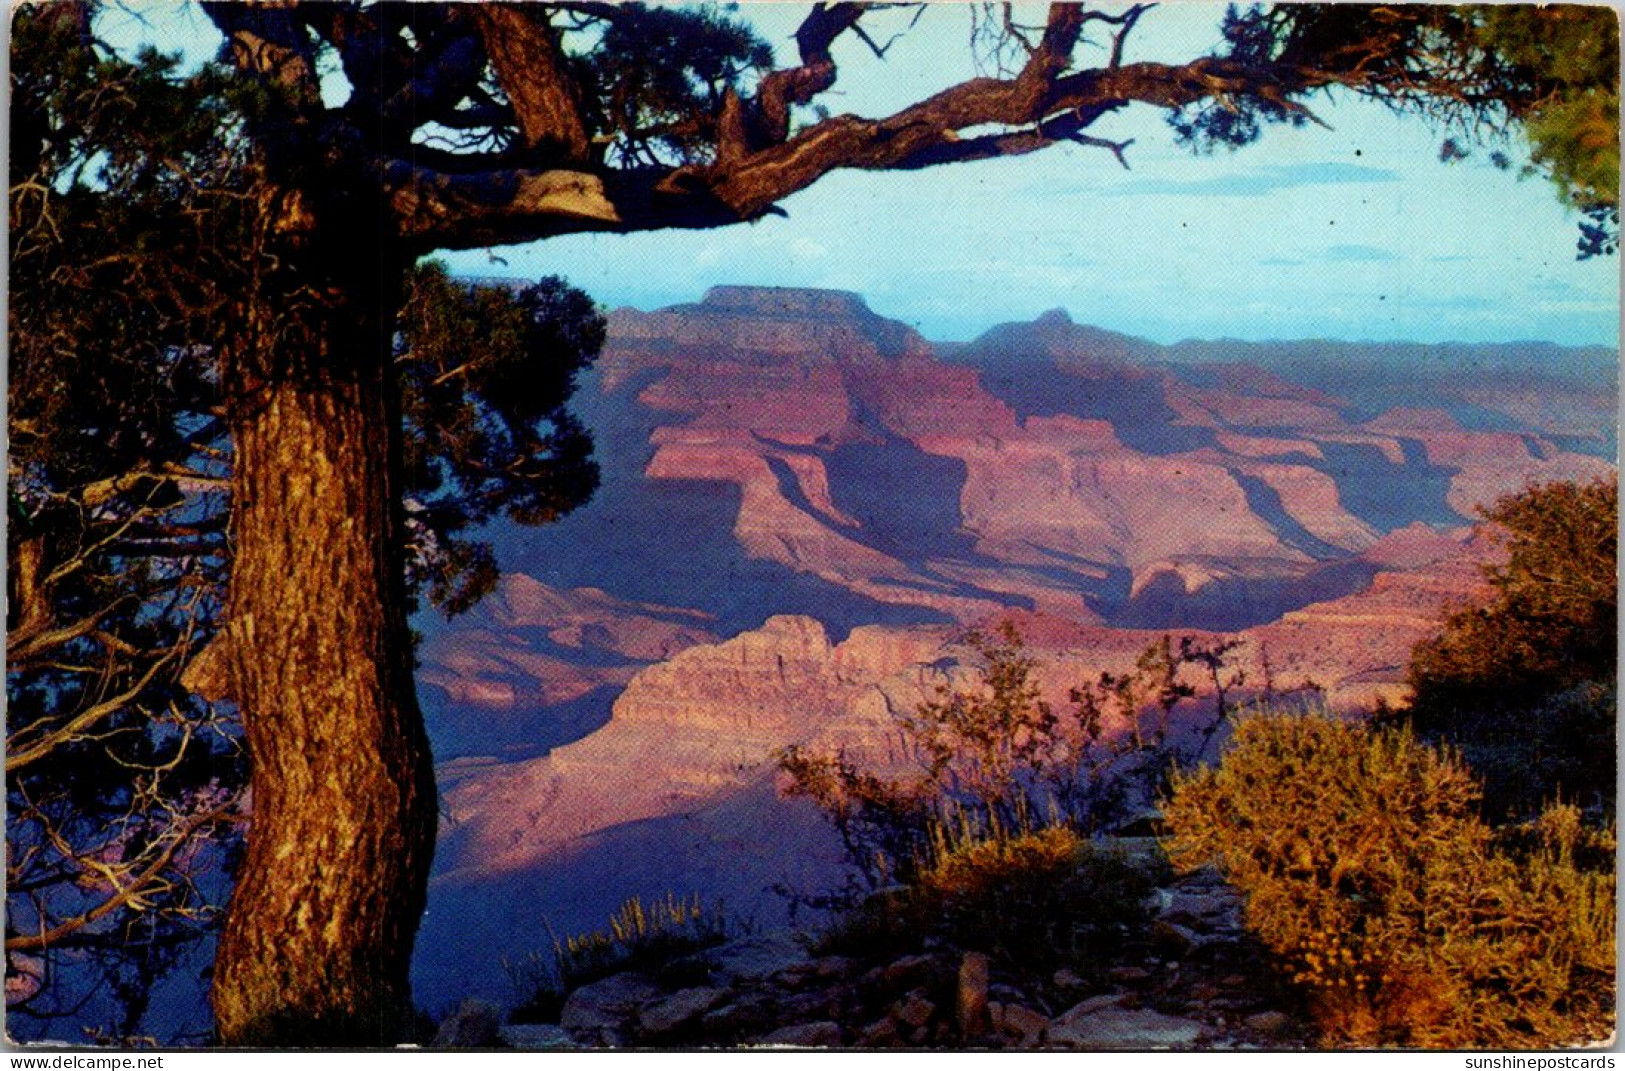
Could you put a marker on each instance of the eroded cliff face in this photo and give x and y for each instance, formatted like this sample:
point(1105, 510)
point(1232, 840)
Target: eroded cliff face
point(709, 719)
point(805, 507)
point(1049, 467)
point(534, 666)
point(684, 731)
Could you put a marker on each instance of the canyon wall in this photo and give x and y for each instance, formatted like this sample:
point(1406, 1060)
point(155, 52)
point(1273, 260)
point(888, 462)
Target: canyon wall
point(805, 507)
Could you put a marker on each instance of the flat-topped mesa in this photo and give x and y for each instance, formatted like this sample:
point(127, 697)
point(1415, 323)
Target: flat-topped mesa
point(802, 327)
point(782, 301)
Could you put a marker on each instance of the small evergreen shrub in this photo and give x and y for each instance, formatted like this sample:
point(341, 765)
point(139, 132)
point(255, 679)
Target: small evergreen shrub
point(1412, 923)
point(1526, 683)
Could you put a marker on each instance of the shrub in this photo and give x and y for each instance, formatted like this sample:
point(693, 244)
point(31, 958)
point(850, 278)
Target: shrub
point(981, 753)
point(1525, 683)
point(1036, 901)
point(883, 823)
point(1033, 901)
point(1558, 746)
point(992, 755)
point(639, 937)
point(1365, 865)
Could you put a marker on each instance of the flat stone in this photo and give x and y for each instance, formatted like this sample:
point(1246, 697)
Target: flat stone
point(914, 1011)
point(819, 1035)
point(1124, 1028)
point(1202, 992)
point(1197, 905)
point(1146, 851)
point(1007, 994)
point(536, 1036)
point(679, 1009)
point(1171, 940)
point(1067, 978)
point(809, 1006)
point(753, 958)
point(743, 1016)
point(831, 967)
point(608, 1004)
point(603, 1038)
point(903, 972)
point(1093, 1005)
point(880, 1034)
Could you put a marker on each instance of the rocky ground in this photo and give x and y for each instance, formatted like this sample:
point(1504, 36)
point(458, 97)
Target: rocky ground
point(1192, 980)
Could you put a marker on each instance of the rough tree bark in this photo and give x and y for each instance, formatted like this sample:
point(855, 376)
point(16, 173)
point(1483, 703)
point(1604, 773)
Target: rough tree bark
point(319, 932)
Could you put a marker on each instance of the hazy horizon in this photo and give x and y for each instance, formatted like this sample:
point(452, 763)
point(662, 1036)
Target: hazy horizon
point(975, 328)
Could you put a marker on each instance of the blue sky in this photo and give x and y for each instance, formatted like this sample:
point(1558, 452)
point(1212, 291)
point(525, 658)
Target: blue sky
point(1355, 232)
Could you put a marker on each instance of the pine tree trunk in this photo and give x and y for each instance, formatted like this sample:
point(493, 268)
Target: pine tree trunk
point(318, 936)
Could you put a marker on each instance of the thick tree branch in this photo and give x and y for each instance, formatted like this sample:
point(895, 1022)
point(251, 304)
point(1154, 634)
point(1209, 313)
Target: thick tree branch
point(783, 89)
point(523, 48)
point(269, 41)
point(1125, 23)
point(1044, 104)
point(439, 209)
point(34, 641)
point(30, 608)
point(927, 133)
point(435, 88)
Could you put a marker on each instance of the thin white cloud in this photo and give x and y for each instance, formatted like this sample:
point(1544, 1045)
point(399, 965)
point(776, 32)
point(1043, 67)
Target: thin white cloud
point(1359, 254)
point(1261, 181)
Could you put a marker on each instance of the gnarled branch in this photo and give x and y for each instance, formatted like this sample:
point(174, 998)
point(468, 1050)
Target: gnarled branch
point(523, 48)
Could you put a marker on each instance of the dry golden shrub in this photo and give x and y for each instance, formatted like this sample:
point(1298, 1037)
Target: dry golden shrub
point(1367, 868)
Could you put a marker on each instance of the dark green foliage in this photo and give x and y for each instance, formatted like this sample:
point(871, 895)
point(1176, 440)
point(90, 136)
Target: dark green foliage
point(660, 74)
point(1034, 902)
point(1556, 600)
point(883, 824)
point(129, 242)
point(485, 376)
point(1478, 71)
point(121, 787)
point(980, 850)
point(1599, 232)
point(979, 751)
point(1568, 56)
point(977, 743)
point(1367, 869)
point(1525, 684)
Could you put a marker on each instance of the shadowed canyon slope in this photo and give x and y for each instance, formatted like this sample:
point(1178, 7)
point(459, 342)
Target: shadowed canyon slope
point(805, 505)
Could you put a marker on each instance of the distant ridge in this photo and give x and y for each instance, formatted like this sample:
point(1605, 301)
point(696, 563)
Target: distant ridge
point(1059, 323)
